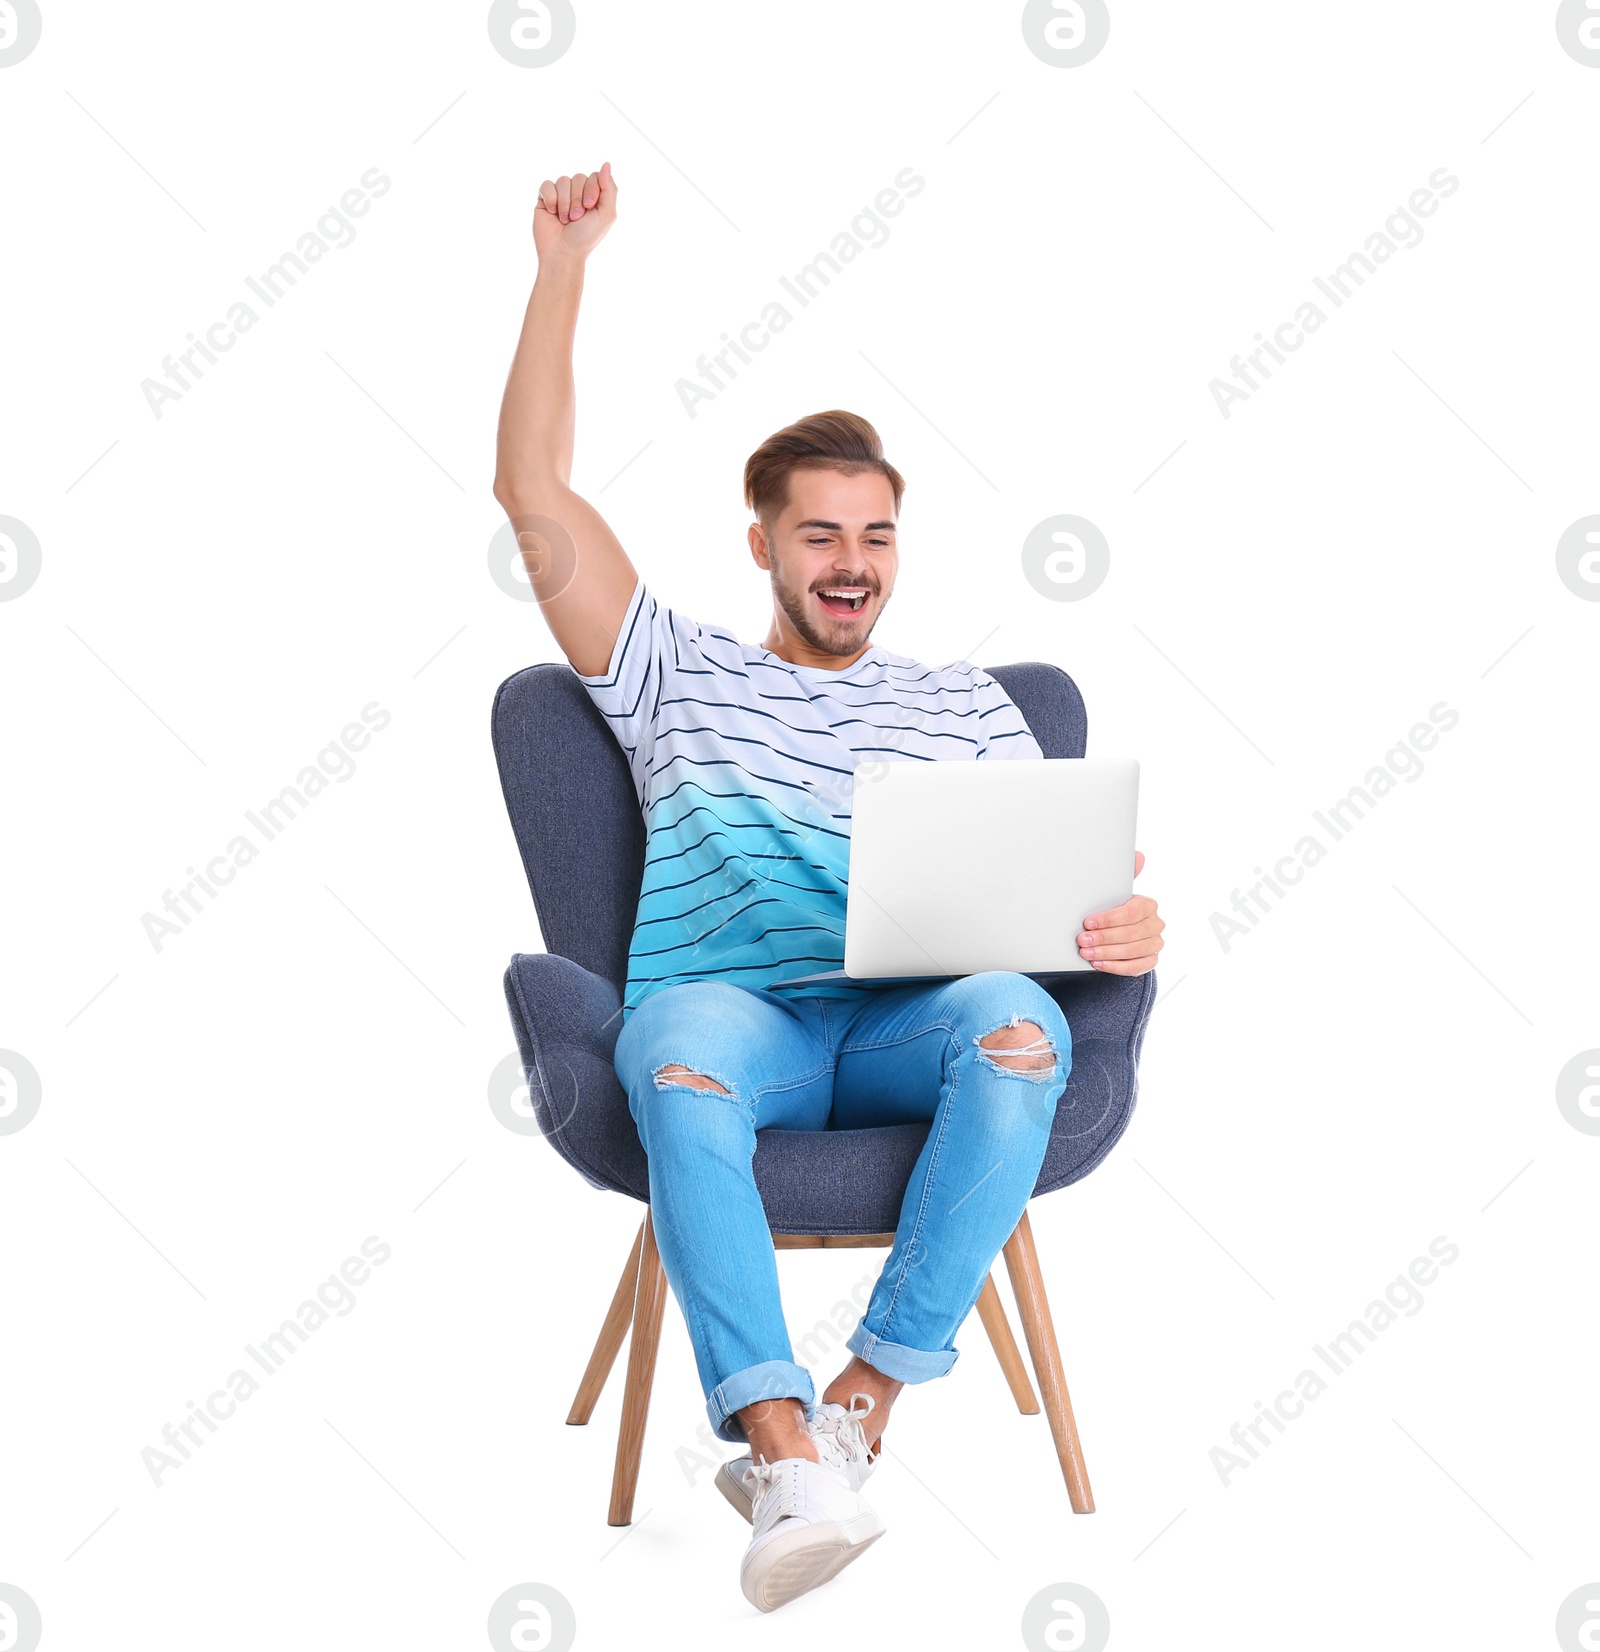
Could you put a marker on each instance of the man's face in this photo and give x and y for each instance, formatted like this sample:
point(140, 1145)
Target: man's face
point(837, 533)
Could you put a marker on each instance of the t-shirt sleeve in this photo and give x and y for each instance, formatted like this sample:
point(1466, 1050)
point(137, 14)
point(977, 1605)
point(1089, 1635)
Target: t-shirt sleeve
point(1004, 730)
point(628, 691)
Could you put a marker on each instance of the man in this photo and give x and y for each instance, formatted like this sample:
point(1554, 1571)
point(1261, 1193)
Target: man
point(745, 758)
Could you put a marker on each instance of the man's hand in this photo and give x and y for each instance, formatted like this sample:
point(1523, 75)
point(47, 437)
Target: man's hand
point(574, 213)
point(1125, 940)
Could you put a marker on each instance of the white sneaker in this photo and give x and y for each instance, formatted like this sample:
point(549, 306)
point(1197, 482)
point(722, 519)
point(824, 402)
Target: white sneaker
point(841, 1444)
point(809, 1525)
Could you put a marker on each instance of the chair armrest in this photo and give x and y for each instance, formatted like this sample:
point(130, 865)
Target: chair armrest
point(1104, 1006)
point(566, 1020)
point(561, 1000)
point(1107, 1015)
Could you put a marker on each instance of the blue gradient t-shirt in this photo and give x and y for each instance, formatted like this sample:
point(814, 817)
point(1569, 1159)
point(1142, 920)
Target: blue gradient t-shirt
point(744, 768)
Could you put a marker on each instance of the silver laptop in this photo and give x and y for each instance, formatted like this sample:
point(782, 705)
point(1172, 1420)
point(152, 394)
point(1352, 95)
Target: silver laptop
point(958, 867)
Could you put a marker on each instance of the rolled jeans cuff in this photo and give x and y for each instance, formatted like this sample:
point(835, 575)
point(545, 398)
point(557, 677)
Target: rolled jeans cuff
point(773, 1379)
point(901, 1363)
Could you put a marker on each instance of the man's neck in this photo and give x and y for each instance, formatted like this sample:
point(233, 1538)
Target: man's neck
point(793, 649)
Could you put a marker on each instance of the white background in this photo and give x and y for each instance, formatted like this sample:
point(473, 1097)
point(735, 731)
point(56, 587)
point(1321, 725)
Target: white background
point(306, 531)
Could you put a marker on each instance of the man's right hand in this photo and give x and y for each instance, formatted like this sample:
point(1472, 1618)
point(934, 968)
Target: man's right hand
point(574, 213)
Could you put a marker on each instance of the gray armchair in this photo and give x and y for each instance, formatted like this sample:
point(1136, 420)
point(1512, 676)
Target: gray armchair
point(578, 826)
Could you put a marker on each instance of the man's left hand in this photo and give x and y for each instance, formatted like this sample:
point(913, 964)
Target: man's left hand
point(1126, 939)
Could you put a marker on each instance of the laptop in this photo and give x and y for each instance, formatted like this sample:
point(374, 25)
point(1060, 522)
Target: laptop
point(959, 867)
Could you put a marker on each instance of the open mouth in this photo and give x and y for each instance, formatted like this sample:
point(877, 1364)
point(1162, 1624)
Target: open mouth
point(843, 599)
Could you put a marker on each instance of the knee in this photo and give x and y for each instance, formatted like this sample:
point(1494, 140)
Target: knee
point(1033, 1040)
point(689, 1018)
point(662, 1102)
point(1020, 1047)
point(675, 1074)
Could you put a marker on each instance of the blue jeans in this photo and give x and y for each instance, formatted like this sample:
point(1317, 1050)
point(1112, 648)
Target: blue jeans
point(897, 1055)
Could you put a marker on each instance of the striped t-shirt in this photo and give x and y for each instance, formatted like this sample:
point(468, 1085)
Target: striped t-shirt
point(744, 768)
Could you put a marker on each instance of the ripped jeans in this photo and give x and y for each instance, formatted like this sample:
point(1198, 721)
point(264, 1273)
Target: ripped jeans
point(897, 1055)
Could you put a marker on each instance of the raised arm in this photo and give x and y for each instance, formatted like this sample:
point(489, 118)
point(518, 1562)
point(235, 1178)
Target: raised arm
point(580, 573)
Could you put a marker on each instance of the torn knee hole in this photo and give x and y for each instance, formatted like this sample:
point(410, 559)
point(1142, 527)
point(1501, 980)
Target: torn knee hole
point(1020, 1046)
point(1030, 1060)
point(676, 1073)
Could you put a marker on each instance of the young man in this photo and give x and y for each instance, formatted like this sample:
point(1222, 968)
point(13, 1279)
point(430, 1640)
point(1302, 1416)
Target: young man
point(745, 758)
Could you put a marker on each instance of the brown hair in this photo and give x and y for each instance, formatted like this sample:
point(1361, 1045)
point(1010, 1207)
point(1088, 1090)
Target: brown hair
point(836, 440)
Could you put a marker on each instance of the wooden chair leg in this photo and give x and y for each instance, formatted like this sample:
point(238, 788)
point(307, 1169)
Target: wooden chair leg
point(609, 1341)
point(1022, 1263)
point(993, 1314)
point(648, 1302)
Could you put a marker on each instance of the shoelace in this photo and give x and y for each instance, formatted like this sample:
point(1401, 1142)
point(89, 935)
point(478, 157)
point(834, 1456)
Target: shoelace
point(847, 1432)
point(772, 1496)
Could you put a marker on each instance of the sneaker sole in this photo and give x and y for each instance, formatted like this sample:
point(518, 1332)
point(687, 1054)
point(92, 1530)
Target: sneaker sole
point(794, 1563)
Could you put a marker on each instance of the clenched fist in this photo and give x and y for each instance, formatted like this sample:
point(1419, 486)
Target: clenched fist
point(574, 213)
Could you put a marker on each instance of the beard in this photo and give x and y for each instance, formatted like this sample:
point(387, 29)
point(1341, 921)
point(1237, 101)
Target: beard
point(840, 635)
